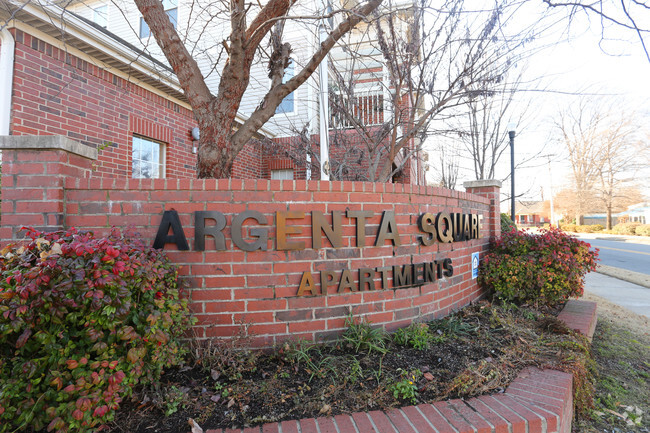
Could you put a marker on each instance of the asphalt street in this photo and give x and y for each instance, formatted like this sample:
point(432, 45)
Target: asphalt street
point(623, 254)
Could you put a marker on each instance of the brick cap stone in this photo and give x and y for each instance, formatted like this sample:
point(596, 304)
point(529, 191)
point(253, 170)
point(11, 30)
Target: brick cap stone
point(482, 183)
point(47, 142)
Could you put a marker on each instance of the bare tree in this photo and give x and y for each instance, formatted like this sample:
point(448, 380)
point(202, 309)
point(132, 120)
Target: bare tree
point(621, 155)
point(483, 129)
point(412, 67)
point(604, 152)
point(221, 139)
point(632, 16)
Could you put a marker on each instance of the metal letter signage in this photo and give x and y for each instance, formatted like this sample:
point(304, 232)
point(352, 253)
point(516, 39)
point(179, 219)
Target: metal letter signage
point(289, 226)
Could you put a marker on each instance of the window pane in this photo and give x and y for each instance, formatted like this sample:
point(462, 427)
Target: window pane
point(100, 15)
point(169, 4)
point(286, 106)
point(155, 153)
point(136, 148)
point(135, 172)
point(173, 16)
point(147, 158)
point(282, 174)
point(144, 29)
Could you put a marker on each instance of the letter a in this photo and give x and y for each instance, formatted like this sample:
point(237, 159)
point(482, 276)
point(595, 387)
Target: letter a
point(170, 219)
point(307, 285)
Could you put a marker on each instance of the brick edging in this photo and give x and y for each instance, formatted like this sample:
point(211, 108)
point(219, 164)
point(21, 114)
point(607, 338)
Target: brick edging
point(537, 401)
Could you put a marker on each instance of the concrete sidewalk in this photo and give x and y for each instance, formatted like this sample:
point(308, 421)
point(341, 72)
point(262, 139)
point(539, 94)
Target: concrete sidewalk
point(631, 296)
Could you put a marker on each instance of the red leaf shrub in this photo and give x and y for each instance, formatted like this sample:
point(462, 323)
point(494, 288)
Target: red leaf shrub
point(545, 268)
point(82, 320)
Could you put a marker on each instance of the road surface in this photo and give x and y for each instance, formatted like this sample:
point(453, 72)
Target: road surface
point(633, 257)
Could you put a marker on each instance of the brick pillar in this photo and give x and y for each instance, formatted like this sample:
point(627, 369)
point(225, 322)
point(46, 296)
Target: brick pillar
point(33, 172)
point(490, 189)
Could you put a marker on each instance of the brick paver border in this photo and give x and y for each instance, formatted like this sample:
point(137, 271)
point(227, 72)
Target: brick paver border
point(537, 401)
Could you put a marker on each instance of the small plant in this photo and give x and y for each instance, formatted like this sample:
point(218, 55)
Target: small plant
point(545, 268)
point(355, 372)
point(451, 327)
point(363, 337)
point(309, 356)
point(406, 388)
point(228, 357)
point(174, 399)
point(82, 320)
point(416, 335)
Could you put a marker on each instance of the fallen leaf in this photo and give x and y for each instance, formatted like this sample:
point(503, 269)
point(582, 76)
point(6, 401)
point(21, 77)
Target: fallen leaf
point(214, 374)
point(231, 403)
point(215, 398)
point(195, 427)
point(325, 410)
point(428, 376)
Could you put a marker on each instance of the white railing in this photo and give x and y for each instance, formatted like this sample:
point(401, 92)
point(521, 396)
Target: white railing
point(365, 109)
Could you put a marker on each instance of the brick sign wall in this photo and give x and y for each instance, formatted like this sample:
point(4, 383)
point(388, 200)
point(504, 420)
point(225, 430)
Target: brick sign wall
point(261, 262)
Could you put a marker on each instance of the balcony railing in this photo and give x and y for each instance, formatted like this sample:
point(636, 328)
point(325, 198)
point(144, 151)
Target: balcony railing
point(364, 109)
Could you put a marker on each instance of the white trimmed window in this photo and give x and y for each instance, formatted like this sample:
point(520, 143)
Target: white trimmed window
point(100, 15)
point(171, 8)
point(148, 158)
point(282, 174)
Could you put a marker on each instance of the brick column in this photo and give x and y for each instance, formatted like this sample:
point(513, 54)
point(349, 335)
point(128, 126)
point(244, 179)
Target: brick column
point(33, 172)
point(490, 189)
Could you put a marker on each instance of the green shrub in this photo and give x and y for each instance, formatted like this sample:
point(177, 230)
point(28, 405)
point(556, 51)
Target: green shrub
point(545, 268)
point(506, 224)
point(597, 227)
point(82, 320)
point(643, 230)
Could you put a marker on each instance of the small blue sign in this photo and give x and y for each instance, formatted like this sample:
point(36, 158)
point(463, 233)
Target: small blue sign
point(475, 262)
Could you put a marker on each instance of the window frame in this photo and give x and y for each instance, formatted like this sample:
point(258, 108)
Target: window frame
point(283, 171)
point(172, 5)
point(162, 156)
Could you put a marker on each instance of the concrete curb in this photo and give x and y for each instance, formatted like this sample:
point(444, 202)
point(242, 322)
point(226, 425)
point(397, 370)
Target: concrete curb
point(537, 401)
point(625, 275)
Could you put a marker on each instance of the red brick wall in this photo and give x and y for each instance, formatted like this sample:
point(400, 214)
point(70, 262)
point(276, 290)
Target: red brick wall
point(259, 287)
point(56, 93)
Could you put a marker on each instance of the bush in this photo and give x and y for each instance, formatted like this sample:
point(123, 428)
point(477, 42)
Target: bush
point(545, 268)
point(597, 228)
point(569, 227)
point(506, 224)
point(643, 230)
point(82, 320)
point(625, 229)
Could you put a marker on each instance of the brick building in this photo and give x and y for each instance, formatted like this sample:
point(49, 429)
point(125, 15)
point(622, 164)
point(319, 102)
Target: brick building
point(89, 123)
point(64, 73)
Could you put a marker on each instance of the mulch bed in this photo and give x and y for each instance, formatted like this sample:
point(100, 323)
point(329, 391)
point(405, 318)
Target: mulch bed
point(478, 350)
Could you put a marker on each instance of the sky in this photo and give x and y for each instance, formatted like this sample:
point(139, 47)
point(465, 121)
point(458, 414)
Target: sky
point(575, 60)
point(614, 70)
